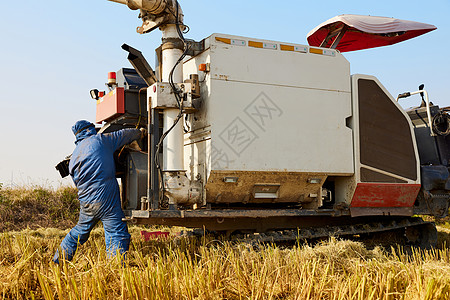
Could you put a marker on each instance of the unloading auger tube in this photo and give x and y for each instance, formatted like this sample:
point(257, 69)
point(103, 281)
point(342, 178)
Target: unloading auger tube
point(154, 7)
point(168, 17)
point(155, 13)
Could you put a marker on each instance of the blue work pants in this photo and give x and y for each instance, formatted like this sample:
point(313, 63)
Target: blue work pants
point(116, 231)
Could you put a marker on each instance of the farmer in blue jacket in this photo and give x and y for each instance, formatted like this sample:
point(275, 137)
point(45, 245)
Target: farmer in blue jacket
point(93, 171)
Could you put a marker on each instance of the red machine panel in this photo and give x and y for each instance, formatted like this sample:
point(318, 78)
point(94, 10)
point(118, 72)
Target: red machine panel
point(385, 195)
point(110, 105)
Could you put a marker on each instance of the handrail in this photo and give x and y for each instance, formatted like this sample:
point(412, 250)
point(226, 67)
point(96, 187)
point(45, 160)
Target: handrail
point(427, 102)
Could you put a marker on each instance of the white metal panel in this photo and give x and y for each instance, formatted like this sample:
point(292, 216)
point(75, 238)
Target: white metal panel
point(272, 110)
point(267, 127)
point(278, 67)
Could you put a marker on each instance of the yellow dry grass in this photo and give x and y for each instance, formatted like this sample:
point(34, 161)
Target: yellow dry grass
point(211, 269)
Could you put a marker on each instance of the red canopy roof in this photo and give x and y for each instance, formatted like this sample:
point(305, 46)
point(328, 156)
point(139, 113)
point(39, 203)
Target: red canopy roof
point(355, 32)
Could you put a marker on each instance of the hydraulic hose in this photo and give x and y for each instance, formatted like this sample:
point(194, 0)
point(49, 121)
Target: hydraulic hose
point(441, 124)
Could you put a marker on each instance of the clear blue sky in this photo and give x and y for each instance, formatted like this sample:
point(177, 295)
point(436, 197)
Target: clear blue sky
point(53, 52)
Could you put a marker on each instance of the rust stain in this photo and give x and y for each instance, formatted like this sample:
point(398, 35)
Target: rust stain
point(293, 187)
point(223, 77)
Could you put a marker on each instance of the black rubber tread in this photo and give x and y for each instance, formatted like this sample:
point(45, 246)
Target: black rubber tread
point(426, 233)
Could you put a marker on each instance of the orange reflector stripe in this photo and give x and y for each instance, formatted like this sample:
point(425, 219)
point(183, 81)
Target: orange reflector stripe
point(255, 44)
point(223, 40)
point(315, 51)
point(287, 47)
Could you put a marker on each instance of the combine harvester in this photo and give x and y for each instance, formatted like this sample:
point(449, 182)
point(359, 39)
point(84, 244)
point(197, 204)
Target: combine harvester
point(279, 139)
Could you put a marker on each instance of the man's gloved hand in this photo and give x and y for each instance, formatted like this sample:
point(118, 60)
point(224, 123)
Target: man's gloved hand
point(143, 132)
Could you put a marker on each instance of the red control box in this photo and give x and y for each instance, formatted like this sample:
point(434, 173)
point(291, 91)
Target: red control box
point(110, 105)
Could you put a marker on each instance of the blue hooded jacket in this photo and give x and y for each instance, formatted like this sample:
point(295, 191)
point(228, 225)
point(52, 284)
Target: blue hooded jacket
point(83, 129)
point(92, 164)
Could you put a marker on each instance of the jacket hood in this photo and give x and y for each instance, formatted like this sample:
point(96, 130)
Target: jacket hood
point(83, 129)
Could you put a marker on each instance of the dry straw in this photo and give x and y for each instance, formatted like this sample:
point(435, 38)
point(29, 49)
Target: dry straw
point(211, 269)
point(200, 268)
